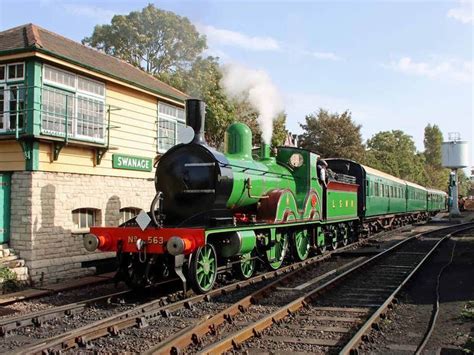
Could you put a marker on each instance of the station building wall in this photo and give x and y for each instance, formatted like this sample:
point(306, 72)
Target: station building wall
point(57, 194)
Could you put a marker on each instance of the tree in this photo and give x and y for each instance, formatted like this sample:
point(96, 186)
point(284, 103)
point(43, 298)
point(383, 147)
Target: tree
point(332, 135)
point(464, 183)
point(202, 82)
point(395, 153)
point(432, 141)
point(246, 114)
point(435, 175)
point(155, 40)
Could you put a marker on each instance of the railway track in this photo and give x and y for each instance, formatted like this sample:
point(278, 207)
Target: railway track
point(185, 313)
point(300, 318)
point(145, 314)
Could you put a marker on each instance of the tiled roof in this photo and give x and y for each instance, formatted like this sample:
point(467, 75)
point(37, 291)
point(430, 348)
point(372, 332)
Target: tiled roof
point(32, 37)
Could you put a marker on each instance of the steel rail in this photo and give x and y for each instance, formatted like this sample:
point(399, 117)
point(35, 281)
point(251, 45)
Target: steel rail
point(357, 338)
point(177, 343)
point(37, 318)
point(254, 329)
point(140, 315)
point(143, 313)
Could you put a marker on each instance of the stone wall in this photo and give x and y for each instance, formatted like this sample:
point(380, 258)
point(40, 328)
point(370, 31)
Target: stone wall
point(42, 228)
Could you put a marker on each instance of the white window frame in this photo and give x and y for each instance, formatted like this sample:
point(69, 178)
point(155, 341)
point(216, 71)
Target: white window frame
point(84, 210)
point(62, 91)
point(77, 95)
point(87, 93)
point(169, 118)
point(59, 85)
point(7, 72)
point(9, 89)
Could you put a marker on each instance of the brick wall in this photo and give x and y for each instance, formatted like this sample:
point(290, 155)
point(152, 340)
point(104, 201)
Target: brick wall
point(42, 229)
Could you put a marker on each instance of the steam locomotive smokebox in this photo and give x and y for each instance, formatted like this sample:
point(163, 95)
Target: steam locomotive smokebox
point(455, 154)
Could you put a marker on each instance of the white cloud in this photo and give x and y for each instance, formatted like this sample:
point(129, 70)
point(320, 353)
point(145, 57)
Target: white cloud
point(90, 11)
point(218, 36)
point(454, 70)
point(325, 56)
point(462, 13)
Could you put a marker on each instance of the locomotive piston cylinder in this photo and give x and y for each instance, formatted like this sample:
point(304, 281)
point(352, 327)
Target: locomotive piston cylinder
point(237, 243)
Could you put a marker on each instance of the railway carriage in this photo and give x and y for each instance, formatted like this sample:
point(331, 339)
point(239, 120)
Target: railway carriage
point(417, 198)
point(437, 201)
point(216, 212)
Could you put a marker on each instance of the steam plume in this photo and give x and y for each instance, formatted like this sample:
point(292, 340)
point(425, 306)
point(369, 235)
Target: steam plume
point(242, 83)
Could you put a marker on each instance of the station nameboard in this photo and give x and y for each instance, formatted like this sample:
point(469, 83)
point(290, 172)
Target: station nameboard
point(130, 162)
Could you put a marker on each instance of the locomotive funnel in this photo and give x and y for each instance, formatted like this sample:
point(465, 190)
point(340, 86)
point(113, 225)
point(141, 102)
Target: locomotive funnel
point(195, 117)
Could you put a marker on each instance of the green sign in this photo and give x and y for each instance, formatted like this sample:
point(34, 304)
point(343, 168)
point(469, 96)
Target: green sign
point(129, 162)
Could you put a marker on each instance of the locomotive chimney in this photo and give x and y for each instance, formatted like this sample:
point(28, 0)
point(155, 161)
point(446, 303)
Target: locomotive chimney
point(195, 117)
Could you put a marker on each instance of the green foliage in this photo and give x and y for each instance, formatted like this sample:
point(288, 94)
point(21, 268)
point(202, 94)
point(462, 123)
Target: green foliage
point(169, 47)
point(8, 280)
point(432, 140)
point(464, 183)
point(435, 175)
point(394, 152)
point(332, 135)
point(155, 40)
point(202, 81)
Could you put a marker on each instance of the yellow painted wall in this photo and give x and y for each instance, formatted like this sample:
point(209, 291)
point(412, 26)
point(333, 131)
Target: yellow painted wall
point(134, 132)
point(11, 156)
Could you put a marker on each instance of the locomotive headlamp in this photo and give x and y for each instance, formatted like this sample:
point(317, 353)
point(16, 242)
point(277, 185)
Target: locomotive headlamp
point(140, 244)
point(175, 246)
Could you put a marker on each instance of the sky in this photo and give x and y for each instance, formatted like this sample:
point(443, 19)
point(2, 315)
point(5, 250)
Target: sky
point(393, 64)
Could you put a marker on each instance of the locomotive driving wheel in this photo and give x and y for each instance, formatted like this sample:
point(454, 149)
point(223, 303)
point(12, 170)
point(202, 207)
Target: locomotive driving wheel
point(301, 245)
point(203, 269)
point(344, 234)
point(335, 236)
point(276, 253)
point(246, 267)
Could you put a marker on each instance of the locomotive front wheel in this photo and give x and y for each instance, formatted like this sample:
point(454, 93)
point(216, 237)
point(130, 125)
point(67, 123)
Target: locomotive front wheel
point(277, 251)
point(245, 269)
point(203, 269)
point(301, 245)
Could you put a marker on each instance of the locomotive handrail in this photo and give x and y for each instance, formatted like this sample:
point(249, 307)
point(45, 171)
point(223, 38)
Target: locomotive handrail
point(264, 172)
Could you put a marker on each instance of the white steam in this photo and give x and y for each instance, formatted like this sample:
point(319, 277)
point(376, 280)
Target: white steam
point(241, 83)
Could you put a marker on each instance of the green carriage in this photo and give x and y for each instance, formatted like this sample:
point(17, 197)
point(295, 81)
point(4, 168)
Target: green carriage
point(437, 200)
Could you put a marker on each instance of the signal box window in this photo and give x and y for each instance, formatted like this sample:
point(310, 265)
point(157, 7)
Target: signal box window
point(84, 218)
point(15, 71)
point(128, 213)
